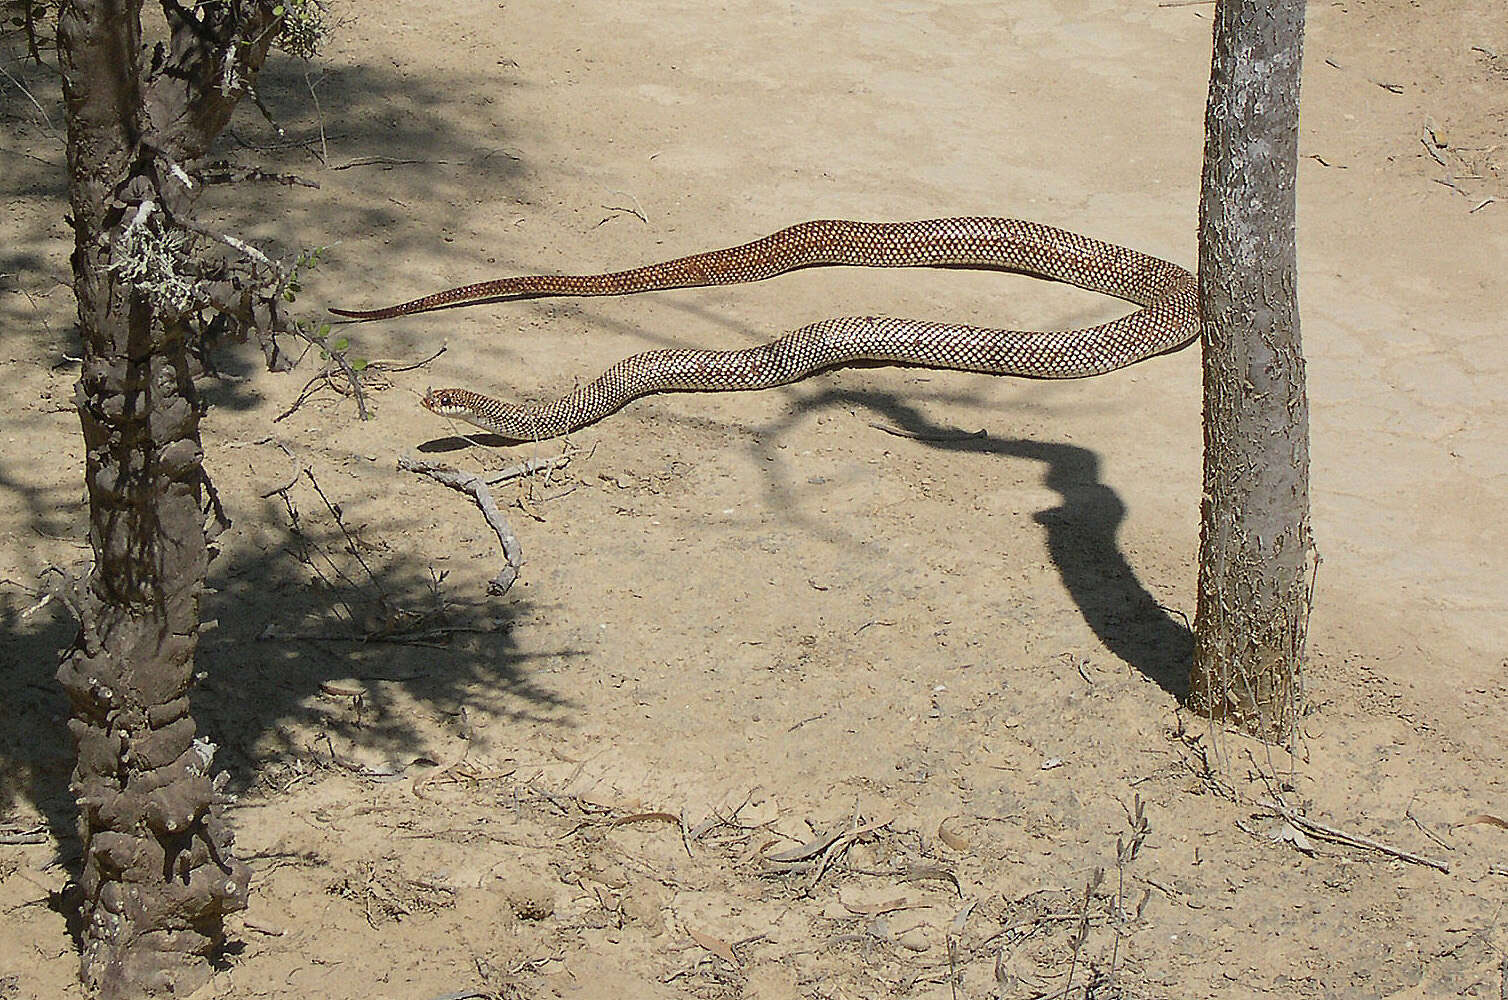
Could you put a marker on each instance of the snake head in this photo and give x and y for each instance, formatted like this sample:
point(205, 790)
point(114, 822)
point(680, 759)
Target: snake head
point(462, 404)
point(447, 402)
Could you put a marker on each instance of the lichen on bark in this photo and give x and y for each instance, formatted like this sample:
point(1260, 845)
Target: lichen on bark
point(158, 874)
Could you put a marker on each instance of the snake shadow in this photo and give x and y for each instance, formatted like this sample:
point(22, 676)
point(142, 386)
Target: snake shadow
point(460, 442)
point(1081, 540)
point(1082, 532)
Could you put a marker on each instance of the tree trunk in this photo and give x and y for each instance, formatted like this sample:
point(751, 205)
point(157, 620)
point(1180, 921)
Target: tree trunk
point(1256, 552)
point(157, 874)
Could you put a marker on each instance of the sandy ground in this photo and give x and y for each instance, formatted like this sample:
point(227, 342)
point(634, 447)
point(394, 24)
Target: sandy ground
point(749, 623)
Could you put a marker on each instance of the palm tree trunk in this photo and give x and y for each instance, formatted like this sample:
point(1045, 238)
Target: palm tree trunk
point(157, 875)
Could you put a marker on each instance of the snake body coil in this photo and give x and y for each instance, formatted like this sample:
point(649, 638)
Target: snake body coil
point(1167, 294)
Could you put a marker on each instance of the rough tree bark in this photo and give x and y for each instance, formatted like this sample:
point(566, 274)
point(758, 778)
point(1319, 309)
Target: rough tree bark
point(157, 874)
point(1256, 552)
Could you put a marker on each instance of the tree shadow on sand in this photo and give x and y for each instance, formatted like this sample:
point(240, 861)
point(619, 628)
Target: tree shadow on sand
point(284, 631)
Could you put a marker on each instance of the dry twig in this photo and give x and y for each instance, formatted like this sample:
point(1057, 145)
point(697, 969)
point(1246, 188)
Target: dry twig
point(938, 436)
point(1334, 835)
point(467, 482)
point(528, 468)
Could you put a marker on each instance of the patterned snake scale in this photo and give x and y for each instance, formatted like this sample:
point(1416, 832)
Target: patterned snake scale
point(1168, 317)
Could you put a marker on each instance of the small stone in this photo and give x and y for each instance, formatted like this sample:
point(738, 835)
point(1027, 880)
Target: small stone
point(915, 939)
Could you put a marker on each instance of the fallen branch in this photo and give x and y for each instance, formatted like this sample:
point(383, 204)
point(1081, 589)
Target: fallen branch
point(51, 131)
point(380, 161)
point(36, 835)
point(297, 472)
point(430, 638)
point(1333, 835)
point(528, 468)
point(403, 366)
point(226, 173)
point(467, 482)
point(937, 436)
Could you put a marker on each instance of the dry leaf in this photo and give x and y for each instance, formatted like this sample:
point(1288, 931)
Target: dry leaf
point(808, 850)
point(757, 850)
point(717, 946)
point(961, 919)
point(1501, 824)
point(919, 873)
point(874, 909)
point(1291, 834)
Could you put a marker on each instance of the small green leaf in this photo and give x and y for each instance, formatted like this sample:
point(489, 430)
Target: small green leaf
point(359, 364)
point(324, 330)
point(341, 344)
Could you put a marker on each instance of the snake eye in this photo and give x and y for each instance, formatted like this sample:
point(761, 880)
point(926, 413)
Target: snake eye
point(442, 401)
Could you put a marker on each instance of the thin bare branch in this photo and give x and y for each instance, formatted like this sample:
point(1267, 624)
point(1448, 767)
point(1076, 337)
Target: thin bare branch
point(466, 482)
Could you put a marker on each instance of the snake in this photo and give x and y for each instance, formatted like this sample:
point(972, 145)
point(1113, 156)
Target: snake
point(1167, 318)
